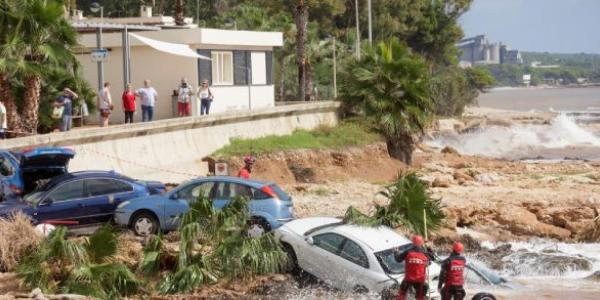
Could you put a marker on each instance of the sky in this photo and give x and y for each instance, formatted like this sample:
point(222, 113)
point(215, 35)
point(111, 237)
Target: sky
point(560, 26)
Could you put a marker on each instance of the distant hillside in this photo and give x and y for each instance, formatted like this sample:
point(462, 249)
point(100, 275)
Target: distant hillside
point(577, 60)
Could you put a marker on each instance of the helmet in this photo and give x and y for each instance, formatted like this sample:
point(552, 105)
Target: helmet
point(249, 159)
point(417, 240)
point(458, 247)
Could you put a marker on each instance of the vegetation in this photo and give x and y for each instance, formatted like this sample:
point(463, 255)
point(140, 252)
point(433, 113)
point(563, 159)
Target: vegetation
point(215, 245)
point(348, 133)
point(410, 206)
point(17, 237)
point(390, 87)
point(83, 267)
point(36, 42)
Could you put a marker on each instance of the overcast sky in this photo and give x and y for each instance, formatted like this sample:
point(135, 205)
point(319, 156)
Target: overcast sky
point(564, 26)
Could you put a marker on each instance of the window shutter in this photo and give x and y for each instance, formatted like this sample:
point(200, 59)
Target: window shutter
point(204, 67)
point(241, 67)
point(269, 61)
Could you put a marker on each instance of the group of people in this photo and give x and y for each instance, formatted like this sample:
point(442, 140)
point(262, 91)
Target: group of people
point(63, 105)
point(416, 260)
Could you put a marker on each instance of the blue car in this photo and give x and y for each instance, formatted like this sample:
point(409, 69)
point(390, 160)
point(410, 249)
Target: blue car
point(79, 198)
point(269, 206)
point(21, 172)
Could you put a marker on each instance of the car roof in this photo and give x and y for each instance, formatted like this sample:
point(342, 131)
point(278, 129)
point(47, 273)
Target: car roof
point(85, 174)
point(377, 238)
point(234, 179)
point(306, 226)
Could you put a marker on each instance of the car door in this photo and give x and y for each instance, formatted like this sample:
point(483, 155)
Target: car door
point(179, 202)
point(102, 197)
point(353, 263)
point(63, 203)
point(319, 258)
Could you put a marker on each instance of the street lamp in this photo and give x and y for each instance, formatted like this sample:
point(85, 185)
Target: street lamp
point(96, 7)
point(357, 30)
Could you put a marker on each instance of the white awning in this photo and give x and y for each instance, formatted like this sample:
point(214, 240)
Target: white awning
point(171, 48)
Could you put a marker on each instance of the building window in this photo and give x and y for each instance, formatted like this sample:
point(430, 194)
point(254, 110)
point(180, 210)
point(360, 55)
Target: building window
point(259, 70)
point(222, 67)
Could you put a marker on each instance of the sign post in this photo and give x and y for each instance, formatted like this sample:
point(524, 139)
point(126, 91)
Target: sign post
point(99, 55)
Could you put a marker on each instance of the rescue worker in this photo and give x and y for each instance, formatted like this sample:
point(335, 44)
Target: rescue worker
point(247, 169)
point(452, 274)
point(416, 259)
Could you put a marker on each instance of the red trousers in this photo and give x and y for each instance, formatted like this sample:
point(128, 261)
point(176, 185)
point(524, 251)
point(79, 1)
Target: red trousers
point(183, 109)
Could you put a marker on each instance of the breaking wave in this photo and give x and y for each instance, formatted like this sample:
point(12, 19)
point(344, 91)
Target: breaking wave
point(526, 141)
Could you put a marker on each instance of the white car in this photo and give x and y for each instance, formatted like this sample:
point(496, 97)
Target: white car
point(348, 257)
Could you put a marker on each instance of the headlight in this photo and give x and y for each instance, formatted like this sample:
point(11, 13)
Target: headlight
point(122, 204)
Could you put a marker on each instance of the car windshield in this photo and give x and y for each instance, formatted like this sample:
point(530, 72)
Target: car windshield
point(490, 275)
point(388, 261)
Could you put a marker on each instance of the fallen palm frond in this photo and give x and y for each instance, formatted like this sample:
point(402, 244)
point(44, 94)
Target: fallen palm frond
point(591, 232)
point(17, 236)
point(408, 200)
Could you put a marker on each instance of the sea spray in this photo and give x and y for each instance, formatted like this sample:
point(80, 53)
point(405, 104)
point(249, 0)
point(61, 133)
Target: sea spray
point(522, 141)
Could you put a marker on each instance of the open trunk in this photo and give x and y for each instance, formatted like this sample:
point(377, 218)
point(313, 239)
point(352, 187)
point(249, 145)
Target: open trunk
point(42, 164)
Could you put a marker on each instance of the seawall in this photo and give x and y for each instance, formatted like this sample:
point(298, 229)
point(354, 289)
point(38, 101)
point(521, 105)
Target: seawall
point(172, 150)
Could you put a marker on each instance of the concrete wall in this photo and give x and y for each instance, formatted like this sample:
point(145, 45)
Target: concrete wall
point(171, 150)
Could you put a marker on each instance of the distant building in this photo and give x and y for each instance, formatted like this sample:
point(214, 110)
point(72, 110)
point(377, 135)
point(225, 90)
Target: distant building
point(538, 65)
point(479, 51)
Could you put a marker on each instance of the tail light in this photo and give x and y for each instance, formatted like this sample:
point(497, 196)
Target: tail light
point(269, 191)
point(15, 189)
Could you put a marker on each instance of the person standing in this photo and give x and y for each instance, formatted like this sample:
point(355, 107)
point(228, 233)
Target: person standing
point(105, 104)
point(247, 169)
point(3, 122)
point(128, 98)
point(66, 102)
point(452, 274)
point(184, 97)
point(149, 97)
point(416, 259)
point(206, 97)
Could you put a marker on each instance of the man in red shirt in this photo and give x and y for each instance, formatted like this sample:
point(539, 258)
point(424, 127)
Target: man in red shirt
point(452, 274)
point(416, 259)
point(247, 169)
point(128, 103)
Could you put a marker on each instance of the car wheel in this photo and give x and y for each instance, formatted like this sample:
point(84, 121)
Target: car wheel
point(360, 289)
point(292, 266)
point(483, 296)
point(390, 293)
point(144, 224)
point(258, 227)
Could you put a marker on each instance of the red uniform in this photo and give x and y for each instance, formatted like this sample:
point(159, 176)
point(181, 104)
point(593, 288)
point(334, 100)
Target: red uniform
point(452, 277)
point(244, 173)
point(416, 260)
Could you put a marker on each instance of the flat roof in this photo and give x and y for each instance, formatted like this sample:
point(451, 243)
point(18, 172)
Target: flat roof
point(190, 36)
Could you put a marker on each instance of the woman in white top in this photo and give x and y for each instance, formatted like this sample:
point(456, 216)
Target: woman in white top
point(206, 97)
point(184, 97)
point(105, 105)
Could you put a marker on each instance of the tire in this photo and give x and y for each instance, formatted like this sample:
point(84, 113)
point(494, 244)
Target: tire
point(257, 227)
point(144, 224)
point(292, 266)
point(359, 289)
point(483, 296)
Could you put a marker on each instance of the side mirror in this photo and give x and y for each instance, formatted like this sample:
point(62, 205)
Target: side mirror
point(46, 202)
point(309, 240)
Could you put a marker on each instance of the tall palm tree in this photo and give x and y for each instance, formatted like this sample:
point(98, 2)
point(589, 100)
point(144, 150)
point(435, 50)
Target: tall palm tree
point(179, 17)
point(8, 63)
point(301, 20)
point(390, 86)
point(41, 38)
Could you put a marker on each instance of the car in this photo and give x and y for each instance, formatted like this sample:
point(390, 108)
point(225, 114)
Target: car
point(269, 205)
point(79, 199)
point(22, 171)
point(348, 257)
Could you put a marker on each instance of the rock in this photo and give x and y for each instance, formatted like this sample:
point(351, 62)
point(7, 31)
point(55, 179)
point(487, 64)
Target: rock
point(440, 182)
point(552, 264)
point(523, 222)
point(37, 294)
point(452, 125)
point(450, 150)
point(462, 175)
point(595, 276)
point(487, 178)
point(499, 122)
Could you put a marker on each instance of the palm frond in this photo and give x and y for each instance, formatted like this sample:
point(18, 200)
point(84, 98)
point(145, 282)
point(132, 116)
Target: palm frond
point(102, 244)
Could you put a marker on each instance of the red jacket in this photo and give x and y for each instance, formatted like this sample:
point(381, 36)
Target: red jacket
point(244, 173)
point(452, 273)
point(416, 260)
point(128, 101)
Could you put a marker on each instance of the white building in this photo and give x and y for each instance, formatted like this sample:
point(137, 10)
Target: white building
point(240, 70)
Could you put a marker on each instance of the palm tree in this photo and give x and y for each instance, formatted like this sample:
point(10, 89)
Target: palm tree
point(179, 17)
point(301, 19)
point(8, 63)
point(390, 87)
point(40, 38)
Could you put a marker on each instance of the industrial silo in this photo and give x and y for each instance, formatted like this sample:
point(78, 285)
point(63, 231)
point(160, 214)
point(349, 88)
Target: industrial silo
point(495, 52)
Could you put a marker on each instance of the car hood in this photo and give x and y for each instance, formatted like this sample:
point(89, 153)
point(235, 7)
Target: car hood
point(301, 226)
point(46, 157)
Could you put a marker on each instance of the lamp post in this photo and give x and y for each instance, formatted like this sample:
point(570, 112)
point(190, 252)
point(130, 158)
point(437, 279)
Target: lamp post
point(357, 31)
point(334, 70)
point(370, 23)
point(96, 7)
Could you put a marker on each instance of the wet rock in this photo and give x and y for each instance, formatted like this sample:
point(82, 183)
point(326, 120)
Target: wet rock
point(595, 276)
point(462, 175)
point(523, 222)
point(450, 150)
point(531, 263)
point(451, 125)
